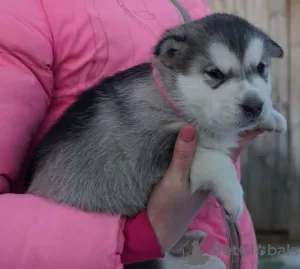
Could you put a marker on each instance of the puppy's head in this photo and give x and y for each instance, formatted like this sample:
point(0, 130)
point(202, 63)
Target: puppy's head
point(220, 66)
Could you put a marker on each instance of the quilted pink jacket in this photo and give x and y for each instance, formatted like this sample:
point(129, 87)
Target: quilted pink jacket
point(50, 51)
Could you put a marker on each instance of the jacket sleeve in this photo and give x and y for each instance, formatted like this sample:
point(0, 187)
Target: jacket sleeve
point(36, 233)
point(26, 81)
point(141, 243)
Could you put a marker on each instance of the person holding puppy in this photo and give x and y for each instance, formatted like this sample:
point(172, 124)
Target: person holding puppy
point(50, 51)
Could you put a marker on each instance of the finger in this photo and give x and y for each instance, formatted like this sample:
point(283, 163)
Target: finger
point(245, 139)
point(250, 135)
point(184, 150)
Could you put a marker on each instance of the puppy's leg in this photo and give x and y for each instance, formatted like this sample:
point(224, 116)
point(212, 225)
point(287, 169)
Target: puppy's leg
point(214, 170)
point(277, 123)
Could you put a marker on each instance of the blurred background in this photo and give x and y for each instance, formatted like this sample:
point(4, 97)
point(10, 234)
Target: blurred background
point(271, 165)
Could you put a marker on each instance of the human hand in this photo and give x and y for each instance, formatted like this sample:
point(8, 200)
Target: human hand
point(245, 139)
point(172, 207)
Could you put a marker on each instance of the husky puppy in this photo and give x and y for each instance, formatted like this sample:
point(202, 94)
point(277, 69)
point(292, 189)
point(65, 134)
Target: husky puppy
point(110, 148)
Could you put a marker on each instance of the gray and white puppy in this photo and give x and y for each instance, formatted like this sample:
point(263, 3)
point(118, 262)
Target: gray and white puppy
point(110, 148)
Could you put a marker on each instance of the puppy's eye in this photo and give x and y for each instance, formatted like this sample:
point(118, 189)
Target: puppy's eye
point(261, 68)
point(215, 74)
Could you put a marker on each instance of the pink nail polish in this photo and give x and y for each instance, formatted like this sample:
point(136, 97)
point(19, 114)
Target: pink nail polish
point(187, 134)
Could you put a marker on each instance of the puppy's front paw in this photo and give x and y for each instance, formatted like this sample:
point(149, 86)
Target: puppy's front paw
point(276, 123)
point(281, 123)
point(231, 197)
point(213, 170)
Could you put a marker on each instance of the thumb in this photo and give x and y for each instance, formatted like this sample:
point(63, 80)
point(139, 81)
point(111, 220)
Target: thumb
point(184, 151)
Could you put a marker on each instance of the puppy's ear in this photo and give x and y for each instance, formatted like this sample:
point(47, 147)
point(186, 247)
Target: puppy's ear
point(172, 50)
point(275, 50)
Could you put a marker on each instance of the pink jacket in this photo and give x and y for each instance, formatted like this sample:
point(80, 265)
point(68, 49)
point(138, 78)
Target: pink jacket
point(51, 50)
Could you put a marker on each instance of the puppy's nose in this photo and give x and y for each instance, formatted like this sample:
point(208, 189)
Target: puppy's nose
point(252, 107)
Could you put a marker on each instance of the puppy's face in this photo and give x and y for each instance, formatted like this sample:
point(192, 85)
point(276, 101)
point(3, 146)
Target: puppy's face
point(221, 66)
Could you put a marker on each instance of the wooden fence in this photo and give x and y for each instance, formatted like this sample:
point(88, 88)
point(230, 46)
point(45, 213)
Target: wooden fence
point(271, 165)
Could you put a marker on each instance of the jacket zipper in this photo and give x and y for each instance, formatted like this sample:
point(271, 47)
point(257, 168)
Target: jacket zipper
point(185, 17)
point(234, 242)
point(232, 229)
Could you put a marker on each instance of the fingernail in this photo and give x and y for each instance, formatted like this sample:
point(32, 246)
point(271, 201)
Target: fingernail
point(187, 134)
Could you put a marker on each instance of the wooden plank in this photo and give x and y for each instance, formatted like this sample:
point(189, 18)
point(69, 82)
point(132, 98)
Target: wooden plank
point(278, 30)
point(217, 5)
point(294, 221)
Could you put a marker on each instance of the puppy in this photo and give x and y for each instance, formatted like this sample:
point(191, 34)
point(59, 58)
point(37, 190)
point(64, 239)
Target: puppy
point(112, 146)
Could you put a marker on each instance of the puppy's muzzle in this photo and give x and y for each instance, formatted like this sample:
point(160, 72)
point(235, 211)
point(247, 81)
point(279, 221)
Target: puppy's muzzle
point(252, 106)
